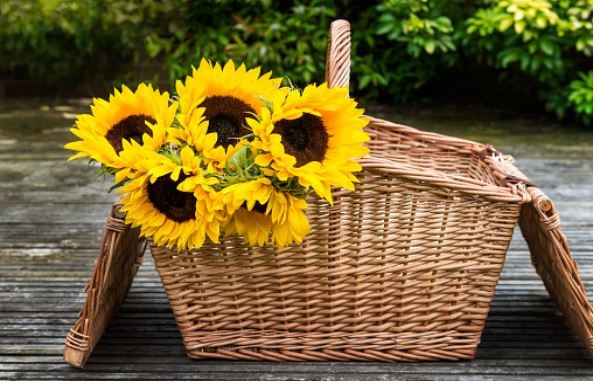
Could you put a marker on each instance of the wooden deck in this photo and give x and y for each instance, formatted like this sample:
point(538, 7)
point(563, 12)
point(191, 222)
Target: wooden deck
point(51, 219)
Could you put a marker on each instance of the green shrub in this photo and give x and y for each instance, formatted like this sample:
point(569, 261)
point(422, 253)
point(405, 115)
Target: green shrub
point(549, 41)
point(289, 40)
point(576, 98)
point(400, 47)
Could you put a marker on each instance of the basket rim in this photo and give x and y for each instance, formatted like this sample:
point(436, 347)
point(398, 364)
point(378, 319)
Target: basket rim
point(516, 193)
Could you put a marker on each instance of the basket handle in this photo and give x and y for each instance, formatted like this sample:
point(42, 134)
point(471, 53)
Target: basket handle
point(338, 54)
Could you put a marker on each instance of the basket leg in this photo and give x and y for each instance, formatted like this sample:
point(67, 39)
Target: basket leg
point(120, 255)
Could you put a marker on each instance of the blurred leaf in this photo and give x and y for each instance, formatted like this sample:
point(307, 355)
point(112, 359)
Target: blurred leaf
point(547, 46)
point(504, 24)
point(430, 46)
point(519, 26)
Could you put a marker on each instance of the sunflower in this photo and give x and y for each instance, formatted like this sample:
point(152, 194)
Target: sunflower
point(315, 135)
point(258, 211)
point(291, 226)
point(228, 95)
point(139, 116)
point(254, 226)
point(193, 131)
point(175, 204)
point(246, 204)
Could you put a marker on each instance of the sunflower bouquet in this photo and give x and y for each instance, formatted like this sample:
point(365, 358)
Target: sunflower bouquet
point(233, 153)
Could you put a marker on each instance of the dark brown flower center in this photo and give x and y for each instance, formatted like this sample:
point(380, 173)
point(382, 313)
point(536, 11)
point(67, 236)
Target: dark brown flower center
point(305, 138)
point(176, 205)
point(131, 128)
point(262, 208)
point(227, 117)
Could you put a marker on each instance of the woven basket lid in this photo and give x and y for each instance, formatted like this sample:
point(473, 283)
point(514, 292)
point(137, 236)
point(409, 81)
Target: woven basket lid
point(550, 254)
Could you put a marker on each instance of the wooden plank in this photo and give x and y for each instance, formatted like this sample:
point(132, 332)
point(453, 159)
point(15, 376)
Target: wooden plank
point(346, 368)
point(265, 374)
point(79, 214)
point(137, 359)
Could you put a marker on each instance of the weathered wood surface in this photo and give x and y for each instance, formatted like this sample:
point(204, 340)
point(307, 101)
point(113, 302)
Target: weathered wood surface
point(52, 215)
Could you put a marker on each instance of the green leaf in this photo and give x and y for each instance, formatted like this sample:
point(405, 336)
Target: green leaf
point(385, 29)
point(519, 27)
point(525, 62)
point(541, 22)
point(443, 24)
point(547, 47)
point(430, 46)
point(580, 45)
point(364, 81)
point(509, 56)
point(504, 24)
point(449, 45)
point(535, 64)
point(117, 185)
point(381, 80)
point(386, 18)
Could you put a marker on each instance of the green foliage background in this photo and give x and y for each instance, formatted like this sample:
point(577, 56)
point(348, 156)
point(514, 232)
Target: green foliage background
point(402, 50)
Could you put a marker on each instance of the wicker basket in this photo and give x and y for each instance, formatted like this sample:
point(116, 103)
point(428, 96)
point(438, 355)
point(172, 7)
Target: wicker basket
point(402, 269)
